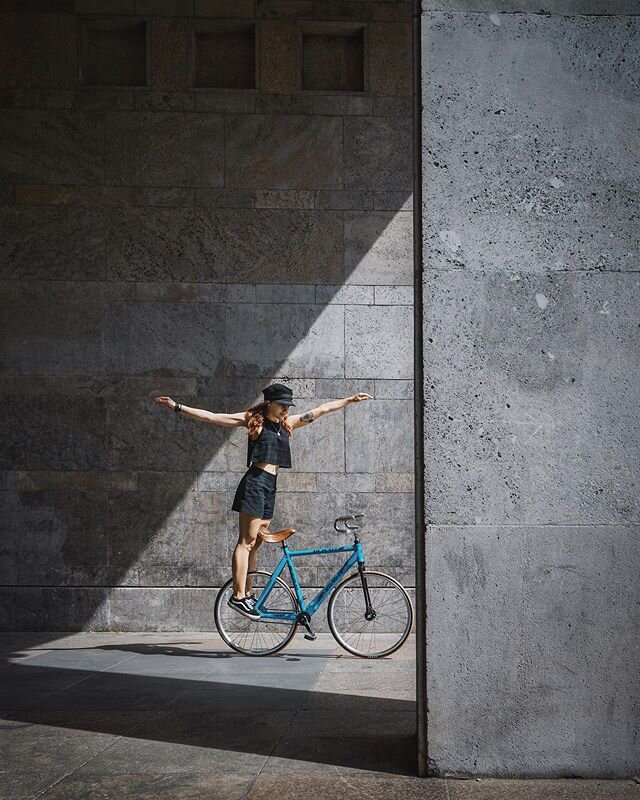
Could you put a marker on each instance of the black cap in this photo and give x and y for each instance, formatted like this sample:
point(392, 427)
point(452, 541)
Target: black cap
point(278, 393)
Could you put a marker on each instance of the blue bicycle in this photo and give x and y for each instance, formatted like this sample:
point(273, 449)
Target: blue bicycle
point(369, 613)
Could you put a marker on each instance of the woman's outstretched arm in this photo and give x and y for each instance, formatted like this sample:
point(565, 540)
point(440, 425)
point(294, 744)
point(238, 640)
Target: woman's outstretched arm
point(299, 420)
point(226, 420)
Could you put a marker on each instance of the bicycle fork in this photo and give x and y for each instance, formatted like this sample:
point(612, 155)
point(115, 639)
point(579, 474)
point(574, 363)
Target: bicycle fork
point(369, 613)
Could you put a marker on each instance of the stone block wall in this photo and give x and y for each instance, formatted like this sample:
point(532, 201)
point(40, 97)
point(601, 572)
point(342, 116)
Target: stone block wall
point(531, 181)
point(194, 242)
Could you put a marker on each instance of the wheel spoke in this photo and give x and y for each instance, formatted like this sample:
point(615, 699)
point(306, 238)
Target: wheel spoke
point(256, 637)
point(386, 631)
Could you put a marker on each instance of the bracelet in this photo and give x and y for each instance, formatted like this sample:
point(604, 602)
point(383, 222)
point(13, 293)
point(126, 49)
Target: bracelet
point(177, 407)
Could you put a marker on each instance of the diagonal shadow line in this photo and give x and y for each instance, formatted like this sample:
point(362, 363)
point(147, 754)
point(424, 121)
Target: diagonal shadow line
point(104, 556)
point(225, 714)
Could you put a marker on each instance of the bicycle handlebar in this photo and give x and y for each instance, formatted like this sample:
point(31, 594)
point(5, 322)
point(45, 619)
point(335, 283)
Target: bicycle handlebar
point(345, 521)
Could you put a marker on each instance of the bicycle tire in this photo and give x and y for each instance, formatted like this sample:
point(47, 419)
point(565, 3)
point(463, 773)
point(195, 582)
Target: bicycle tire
point(234, 628)
point(336, 616)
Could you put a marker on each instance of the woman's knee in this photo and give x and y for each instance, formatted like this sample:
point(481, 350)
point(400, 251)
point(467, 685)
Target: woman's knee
point(248, 537)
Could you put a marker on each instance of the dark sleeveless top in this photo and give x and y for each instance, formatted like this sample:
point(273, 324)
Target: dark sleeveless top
point(270, 446)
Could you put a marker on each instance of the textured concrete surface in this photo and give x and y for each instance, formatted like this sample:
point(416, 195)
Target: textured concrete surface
point(198, 243)
point(531, 180)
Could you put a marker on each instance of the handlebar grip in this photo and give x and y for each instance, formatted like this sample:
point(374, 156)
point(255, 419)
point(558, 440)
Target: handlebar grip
point(345, 521)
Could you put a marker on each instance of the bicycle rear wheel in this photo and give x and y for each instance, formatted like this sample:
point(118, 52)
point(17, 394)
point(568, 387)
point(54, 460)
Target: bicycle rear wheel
point(385, 632)
point(260, 637)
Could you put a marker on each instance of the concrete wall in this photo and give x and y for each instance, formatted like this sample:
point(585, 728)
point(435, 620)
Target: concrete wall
point(198, 243)
point(531, 180)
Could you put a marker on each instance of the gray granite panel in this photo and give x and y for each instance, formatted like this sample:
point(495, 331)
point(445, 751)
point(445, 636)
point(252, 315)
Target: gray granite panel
point(394, 482)
point(145, 436)
point(377, 153)
point(297, 481)
point(53, 608)
point(52, 242)
point(176, 244)
point(378, 247)
point(535, 176)
point(42, 336)
point(393, 295)
point(339, 387)
point(274, 338)
point(344, 295)
point(148, 196)
point(265, 245)
point(342, 104)
point(91, 386)
point(392, 106)
point(388, 354)
point(177, 339)
point(164, 149)
point(394, 390)
point(226, 198)
point(281, 152)
point(345, 482)
point(51, 146)
point(359, 200)
point(285, 293)
point(390, 201)
point(55, 530)
point(319, 446)
point(284, 104)
point(379, 436)
point(534, 448)
point(177, 292)
point(167, 522)
point(38, 433)
point(188, 608)
point(283, 198)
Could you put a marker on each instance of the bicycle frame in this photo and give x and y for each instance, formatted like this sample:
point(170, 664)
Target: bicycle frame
point(357, 557)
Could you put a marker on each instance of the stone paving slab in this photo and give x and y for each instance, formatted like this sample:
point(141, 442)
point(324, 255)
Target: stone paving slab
point(180, 715)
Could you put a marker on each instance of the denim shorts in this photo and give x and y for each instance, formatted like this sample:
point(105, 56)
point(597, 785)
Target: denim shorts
point(256, 493)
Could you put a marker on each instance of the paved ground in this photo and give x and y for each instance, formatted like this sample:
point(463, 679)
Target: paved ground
point(180, 716)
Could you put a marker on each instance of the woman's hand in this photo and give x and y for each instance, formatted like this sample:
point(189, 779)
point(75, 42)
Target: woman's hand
point(165, 401)
point(360, 396)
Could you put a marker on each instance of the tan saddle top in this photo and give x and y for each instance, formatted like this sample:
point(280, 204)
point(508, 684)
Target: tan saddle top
point(276, 536)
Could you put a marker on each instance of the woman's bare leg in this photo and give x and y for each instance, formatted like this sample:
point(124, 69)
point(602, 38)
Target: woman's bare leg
point(253, 555)
point(248, 535)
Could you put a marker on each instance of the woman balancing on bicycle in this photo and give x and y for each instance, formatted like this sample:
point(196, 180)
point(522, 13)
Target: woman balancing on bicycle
point(269, 430)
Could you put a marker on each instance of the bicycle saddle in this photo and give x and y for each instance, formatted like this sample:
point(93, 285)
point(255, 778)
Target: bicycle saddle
point(276, 536)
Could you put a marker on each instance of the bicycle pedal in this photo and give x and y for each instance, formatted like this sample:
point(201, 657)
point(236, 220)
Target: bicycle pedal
point(310, 635)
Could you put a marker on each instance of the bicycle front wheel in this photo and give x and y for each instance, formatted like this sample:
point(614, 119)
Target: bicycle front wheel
point(375, 632)
point(260, 637)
